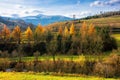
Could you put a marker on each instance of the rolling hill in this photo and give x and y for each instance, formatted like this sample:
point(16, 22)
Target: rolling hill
point(111, 21)
point(11, 22)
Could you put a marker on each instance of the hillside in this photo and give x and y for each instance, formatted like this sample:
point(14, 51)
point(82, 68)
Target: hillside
point(12, 22)
point(112, 22)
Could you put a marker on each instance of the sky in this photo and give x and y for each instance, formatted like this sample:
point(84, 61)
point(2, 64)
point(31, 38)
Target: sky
point(79, 8)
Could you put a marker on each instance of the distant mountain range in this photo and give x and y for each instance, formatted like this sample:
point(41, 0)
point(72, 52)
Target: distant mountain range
point(33, 20)
point(44, 19)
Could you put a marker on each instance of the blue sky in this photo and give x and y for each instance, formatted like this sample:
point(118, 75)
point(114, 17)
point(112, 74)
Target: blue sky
point(80, 8)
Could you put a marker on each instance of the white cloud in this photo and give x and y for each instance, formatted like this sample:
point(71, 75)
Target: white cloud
point(103, 3)
point(97, 3)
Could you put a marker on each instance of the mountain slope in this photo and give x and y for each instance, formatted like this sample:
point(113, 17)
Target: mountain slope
point(44, 19)
point(11, 22)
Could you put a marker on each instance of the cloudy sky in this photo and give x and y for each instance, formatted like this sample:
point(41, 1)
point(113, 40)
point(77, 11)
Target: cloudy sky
point(80, 8)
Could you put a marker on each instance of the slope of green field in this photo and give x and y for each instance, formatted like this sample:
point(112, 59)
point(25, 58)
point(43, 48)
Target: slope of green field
point(117, 37)
point(37, 76)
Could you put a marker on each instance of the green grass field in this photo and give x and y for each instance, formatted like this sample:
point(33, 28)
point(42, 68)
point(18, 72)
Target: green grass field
point(64, 57)
point(38, 76)
point(117, 37)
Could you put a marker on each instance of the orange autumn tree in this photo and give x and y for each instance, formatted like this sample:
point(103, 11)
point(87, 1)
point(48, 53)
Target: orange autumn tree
point(5, 34)
point(38, 34)
point(83, 33)
point(91, 30)
point(83, 30)
point(72, 29)
point(60, 32)
point(29, 34)
point(16, 34)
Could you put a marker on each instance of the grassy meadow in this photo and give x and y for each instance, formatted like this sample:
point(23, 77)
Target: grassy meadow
point(39, 76)
point(117, 37)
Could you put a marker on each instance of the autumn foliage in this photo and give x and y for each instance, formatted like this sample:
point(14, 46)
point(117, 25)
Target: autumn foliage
point(5, 34)
point(29, 34)
point(72, 29)
point(17, 34)
point(69, 40)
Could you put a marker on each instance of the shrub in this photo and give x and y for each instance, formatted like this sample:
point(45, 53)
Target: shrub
point(28, 49)
point(36, 55)
point(110, 67)
point(41, 47)
point(114, 61)
point(4, 64)
point(4, 54)
point(104, 70)
point(20, 66)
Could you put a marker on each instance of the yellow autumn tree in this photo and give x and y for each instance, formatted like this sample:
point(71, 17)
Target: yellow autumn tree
point(38, 33)
point(66, 31)
point(16, 34)
point(29, 34)
point(72, 29)
point(39, 29)
point(5, 33)
point(60, 30)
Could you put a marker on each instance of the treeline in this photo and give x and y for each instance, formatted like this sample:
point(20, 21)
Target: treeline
point(103, 14)
point(88, 40)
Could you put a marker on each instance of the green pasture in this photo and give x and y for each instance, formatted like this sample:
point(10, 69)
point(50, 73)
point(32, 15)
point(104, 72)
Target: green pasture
point(38, 76)
point(117, 37)
point(65, 57)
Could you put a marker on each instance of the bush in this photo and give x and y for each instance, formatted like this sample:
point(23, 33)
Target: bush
point(104, 70)
point(4, 64)
point(41, 47)
point(20, 66)
point(4, 54)
point(8, 46)
point(28, 49)
point(110, 67)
